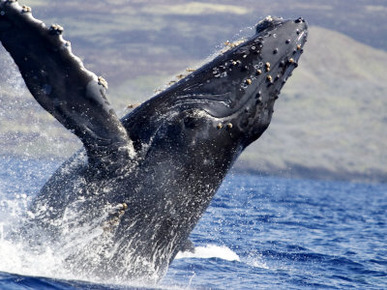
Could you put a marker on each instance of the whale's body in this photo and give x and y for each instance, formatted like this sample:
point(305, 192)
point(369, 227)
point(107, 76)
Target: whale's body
point(142, 182)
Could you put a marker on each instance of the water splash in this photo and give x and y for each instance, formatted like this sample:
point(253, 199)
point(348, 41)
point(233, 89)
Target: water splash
point(19, 180)
point(210, 251)
point(10, 75)
point(55, 259)
point(18, 256)
point(256, 260)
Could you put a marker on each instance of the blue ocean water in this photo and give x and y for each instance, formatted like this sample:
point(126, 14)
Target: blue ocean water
point(259, 233)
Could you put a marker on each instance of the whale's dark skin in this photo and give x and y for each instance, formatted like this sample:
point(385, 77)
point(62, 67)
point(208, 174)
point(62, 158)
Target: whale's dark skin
point(146, 179)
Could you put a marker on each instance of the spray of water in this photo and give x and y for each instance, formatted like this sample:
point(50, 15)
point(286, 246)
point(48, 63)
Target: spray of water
point(81, 241)
point(10, 76)
point(210, 251)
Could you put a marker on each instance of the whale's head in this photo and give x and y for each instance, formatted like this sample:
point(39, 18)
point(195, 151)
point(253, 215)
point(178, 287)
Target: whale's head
point(227, 103)
point(239, 88)
point(249, 78)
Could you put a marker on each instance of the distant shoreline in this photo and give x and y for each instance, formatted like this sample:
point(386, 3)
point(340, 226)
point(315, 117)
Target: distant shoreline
point(298, 172)
point(292, 172)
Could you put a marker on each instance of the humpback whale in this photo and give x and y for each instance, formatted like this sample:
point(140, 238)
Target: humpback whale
point(125, 204)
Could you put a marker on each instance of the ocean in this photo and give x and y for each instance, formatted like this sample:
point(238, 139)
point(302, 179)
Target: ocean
point(260, 232)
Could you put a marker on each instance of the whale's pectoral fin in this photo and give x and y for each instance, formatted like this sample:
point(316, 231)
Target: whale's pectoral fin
point(60, 83)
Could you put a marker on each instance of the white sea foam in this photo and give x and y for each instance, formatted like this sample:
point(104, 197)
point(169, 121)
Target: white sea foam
point(57, 259)
point(225, 253)
point(16, 257)
point(256, 261)
point(210, 251)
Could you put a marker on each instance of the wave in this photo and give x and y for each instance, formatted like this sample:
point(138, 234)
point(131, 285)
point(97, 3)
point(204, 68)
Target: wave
point(210, 251)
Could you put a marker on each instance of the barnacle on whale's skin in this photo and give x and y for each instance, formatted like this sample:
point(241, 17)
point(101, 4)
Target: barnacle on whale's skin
point(26, 9)
point(103, 82)
point(56, 29)
point(228, 44)
point(267, 65)
point(132, 106)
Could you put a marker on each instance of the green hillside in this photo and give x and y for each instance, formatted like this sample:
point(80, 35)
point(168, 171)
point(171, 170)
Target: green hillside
point(328, 121)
